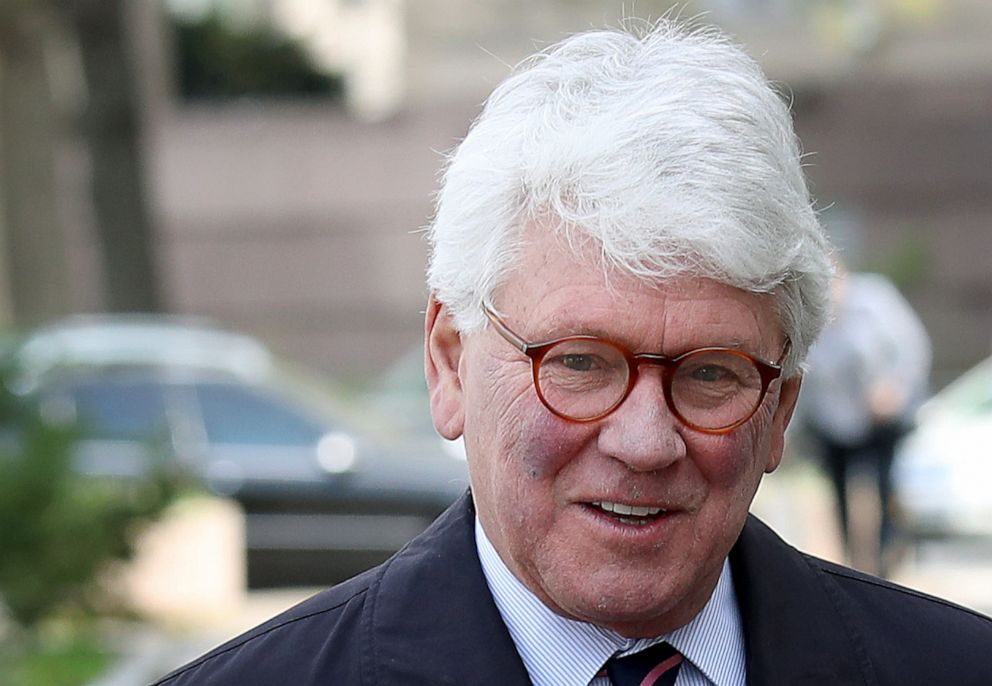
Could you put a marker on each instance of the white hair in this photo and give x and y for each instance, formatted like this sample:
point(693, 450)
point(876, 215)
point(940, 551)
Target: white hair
point(665, 147)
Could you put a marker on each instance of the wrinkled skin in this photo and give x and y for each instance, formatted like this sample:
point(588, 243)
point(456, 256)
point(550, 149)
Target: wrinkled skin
point(534, 475)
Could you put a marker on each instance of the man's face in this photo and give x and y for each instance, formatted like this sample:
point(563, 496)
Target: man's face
point(537, 478)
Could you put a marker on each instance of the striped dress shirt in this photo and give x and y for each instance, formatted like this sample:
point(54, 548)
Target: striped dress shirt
point(564, 652)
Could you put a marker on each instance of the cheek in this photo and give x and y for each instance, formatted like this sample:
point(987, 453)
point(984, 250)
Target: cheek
point(514, 444)
point(519, 434)
point(546, 444)
point(732, 459)
point(520, 464)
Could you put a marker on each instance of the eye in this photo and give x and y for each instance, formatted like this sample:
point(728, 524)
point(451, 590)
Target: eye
point(713, 373)
point(583, 366)
point(719, 371)
point(580, 363)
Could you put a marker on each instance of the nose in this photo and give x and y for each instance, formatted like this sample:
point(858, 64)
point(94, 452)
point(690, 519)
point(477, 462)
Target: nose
point(643, 433)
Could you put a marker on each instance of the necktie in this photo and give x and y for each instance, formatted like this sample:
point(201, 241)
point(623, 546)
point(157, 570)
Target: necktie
point(656, 666)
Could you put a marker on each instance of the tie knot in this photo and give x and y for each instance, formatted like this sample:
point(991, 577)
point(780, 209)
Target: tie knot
point(655, 666)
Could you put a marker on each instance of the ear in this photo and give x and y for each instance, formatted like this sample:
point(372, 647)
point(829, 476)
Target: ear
point(442, 354)
point(787, 397)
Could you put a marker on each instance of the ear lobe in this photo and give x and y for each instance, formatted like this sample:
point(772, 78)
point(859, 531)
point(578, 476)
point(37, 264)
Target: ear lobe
point(787, 397)
point(442, 354)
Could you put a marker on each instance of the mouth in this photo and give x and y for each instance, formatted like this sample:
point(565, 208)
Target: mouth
point(631, 515)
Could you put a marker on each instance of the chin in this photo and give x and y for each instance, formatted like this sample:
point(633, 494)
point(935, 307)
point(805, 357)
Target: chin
point(632, 610)
point(639, 622)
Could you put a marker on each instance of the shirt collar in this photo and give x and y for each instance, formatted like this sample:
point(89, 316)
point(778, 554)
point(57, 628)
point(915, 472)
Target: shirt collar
point(557, 650)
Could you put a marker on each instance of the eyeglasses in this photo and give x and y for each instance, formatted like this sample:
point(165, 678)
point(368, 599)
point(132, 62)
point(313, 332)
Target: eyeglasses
point(585, 378)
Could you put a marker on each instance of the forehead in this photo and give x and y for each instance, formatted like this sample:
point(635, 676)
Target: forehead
point(558, 291)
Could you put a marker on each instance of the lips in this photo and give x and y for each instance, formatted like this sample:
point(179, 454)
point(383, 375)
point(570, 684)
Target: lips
point(637, 515)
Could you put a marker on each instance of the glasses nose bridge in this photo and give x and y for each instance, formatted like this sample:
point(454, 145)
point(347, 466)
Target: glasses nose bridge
point(653, 359)
point(665, 364)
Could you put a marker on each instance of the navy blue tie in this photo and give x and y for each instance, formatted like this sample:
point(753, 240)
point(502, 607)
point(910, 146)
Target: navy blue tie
point(656, 666)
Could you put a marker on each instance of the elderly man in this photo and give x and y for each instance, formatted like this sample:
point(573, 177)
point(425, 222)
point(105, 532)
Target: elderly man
point(626, 276)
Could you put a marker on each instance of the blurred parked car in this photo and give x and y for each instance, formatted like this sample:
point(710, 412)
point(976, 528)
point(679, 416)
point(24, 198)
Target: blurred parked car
point(327, 490)
point(943, 468)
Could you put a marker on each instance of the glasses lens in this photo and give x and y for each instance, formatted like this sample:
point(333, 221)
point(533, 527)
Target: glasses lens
point(583, 378)
point(716, 389)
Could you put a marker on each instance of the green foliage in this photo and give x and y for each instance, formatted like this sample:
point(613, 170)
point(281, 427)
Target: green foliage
point(59, 530)
point(62, 664)
point(217, 61)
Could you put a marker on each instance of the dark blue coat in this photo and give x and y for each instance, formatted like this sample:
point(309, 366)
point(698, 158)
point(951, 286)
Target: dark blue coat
point(426, 617)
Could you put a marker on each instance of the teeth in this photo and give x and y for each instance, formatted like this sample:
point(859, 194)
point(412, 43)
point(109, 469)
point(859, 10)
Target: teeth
point(626, 510)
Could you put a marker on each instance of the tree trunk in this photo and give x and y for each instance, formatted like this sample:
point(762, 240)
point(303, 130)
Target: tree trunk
point(111, 126)
point(30, 129)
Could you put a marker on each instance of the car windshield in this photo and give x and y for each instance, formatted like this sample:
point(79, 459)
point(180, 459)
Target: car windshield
point(235, 414)
point(117, 409)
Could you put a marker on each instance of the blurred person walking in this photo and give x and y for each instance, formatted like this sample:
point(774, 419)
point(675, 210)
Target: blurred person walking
point(868, 374)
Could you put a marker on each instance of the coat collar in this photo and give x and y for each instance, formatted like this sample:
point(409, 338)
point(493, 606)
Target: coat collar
point(432, 619)
point(795, 627)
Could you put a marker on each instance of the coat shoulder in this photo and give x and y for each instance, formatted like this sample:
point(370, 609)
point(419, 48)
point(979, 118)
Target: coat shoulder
point(935, 639)
point(288, 647)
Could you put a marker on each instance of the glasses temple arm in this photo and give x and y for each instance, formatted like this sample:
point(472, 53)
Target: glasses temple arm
point(505, 332)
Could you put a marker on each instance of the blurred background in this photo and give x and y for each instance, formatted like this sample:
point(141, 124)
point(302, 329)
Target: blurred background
point(252, 177)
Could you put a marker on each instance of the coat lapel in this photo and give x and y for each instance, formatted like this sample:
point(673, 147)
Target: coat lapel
point(794, 624)
point(431, 617)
